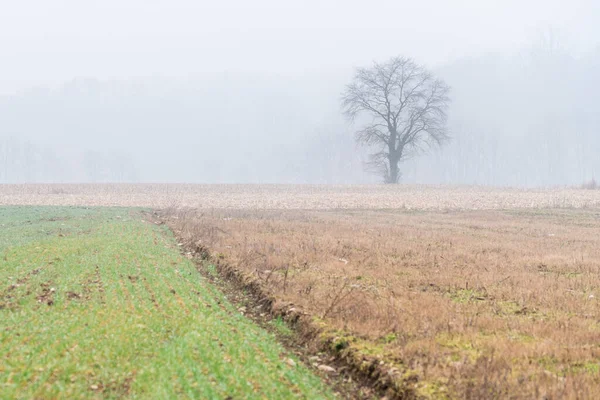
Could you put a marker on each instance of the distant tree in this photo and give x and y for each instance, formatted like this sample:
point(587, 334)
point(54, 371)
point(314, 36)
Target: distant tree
point(94, 165)
point(9, 159)
point(121, 168)
point(404, 108)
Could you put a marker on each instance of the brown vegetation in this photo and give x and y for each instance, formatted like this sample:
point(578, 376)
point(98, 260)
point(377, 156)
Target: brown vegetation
point(467, 304)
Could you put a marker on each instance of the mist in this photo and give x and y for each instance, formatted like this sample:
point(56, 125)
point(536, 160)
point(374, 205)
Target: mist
point(195, 92)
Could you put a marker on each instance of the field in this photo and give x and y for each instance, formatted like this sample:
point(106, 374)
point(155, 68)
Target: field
point(486, 304)
point(98, 303)
point(449, 292)
point(303, 197)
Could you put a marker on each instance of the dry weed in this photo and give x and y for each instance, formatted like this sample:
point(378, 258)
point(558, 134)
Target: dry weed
point(484, 304)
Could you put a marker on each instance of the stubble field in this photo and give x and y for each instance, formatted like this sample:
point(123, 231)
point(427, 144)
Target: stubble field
point(304, 197)
point(458, 292)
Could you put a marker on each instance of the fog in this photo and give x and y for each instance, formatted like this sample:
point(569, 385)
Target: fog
point(249, 92)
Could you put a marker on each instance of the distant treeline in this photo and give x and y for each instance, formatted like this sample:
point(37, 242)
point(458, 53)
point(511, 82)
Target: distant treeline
point(22, 161)
point(526, 120)
point(531, 120)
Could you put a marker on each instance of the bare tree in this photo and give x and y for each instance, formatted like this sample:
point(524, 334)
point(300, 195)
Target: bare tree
point(405, 108)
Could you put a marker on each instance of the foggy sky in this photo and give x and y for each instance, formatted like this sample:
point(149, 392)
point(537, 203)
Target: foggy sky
point(49, 42)
point(248, 92)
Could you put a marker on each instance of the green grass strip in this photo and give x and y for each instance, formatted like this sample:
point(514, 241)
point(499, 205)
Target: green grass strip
point(97, 303)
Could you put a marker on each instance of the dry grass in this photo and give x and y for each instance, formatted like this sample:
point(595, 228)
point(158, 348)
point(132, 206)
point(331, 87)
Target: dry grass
point(314, 197)
point(478, 304)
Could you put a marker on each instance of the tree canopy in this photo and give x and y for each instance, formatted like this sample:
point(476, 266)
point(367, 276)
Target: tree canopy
point(400, 109)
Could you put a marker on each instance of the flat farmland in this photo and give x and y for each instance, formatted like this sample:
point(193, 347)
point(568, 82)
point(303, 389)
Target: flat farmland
point(453, 292)
point(305, 197)
point(458, 304)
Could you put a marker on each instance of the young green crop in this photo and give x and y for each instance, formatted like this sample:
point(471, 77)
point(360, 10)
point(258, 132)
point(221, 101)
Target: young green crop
point(97, 303)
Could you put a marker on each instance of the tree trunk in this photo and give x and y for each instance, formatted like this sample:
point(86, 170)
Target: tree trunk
point(394, 171)
point(394, 157)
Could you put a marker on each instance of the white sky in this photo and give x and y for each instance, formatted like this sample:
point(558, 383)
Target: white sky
point(46, 42)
